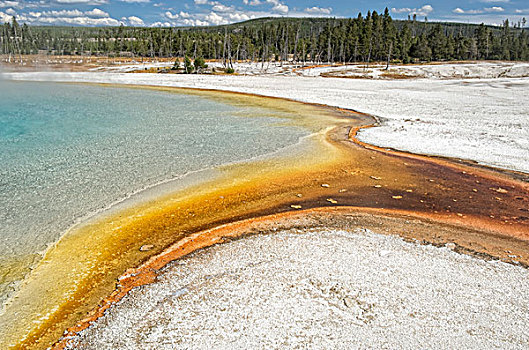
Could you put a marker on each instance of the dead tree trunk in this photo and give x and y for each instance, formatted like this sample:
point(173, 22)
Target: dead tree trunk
point(265, 50)
point(389, 55)
point(369, 53)
point(230, 61)
point(224, 47)
point(329, 48)
point(296, 46)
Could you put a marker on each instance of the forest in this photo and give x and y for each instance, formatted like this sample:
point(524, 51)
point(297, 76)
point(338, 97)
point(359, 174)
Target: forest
point(373, 37)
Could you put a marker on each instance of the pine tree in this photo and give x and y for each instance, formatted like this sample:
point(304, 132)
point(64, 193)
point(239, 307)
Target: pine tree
point(188, 66)
point(437, 42)
point(199, 64)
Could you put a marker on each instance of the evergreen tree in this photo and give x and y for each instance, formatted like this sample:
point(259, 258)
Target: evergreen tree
point(188, 66)
point(420, 49)
point(199, 64)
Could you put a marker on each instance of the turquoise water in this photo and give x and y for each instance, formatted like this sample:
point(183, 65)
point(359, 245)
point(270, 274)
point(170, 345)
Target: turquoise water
point(69, 150)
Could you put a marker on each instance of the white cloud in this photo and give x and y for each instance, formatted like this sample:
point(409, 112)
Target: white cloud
point(11, 4)
point(193, 22)
point(221, 13)
point(94, 17)
point(97, 13)
point(239, 17)
point(217, 14)
point(278, 6)
point(215, 19)
point(81, 21)
point(222, 8)
point(319, 10)
point(4, 17)
point(135, 1)
point(161, 24)
point(422, 11)
point(135, 21)
point(85, 2)
point(61, 13)
point(494, 9)
point(170, 15)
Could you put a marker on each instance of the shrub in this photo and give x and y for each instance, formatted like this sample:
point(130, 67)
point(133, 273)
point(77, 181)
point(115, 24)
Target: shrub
point(200, 64)
point(188, 66)
point(176, 65)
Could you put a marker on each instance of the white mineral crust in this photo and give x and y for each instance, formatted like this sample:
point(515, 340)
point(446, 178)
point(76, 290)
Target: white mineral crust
point(322, 289)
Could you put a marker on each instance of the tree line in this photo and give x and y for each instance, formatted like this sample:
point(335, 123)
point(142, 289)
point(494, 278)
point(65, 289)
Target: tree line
point(373, 37)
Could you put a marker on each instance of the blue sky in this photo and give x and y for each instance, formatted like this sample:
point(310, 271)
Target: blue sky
point(212, 12)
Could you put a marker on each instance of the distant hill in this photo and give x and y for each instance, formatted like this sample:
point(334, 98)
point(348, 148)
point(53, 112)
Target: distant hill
point(320, 22)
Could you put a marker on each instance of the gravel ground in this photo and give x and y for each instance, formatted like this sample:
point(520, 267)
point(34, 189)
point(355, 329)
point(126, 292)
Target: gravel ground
point(322, 289)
